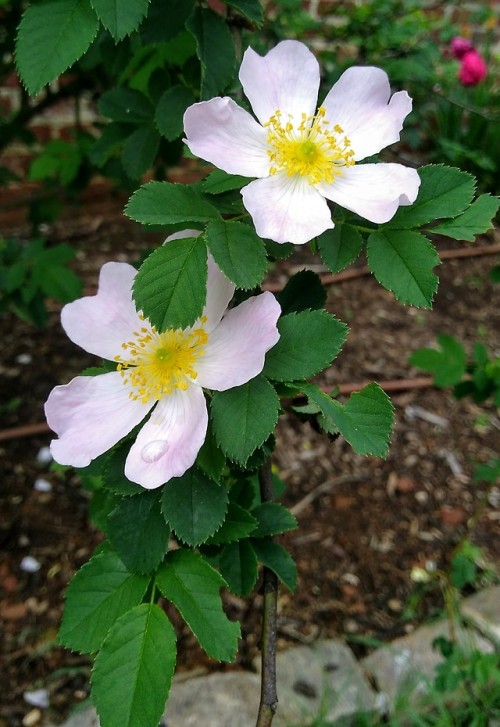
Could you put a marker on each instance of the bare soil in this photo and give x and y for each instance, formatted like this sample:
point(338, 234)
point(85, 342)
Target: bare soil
point(367, 523)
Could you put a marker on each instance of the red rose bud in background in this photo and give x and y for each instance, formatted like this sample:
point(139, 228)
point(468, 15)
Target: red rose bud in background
point(459, 47)
point(473, 69)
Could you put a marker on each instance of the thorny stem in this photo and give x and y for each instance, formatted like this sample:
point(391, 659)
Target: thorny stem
point(268, 694)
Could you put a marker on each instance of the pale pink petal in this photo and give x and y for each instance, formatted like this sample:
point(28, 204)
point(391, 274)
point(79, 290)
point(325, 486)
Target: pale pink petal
point(224, 134)
point(285, 79)
point(170, 440)
point(359, 103)
point(182, 234)
point(286, 209)
point(374, 191)
point(90, 415)
point(236, 349)
point(101, 323)
point(220, 290)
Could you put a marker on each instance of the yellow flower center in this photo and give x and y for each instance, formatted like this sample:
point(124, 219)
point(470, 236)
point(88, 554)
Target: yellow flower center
point(312, 148)
point(157, 363)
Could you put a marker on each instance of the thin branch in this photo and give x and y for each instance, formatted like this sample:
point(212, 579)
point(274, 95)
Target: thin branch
point(268, 693)
point(361, 271)
point(29, 430)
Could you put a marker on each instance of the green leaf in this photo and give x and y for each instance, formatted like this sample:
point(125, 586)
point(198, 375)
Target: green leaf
point(215, 49)
point(164, 22)
point(170, 287)
point(238, 566)
point(139, 151)
point(138, 532)
point(219, 182)
point(339, 247)
point(273, 519)
point(244, 417)
point(238, 524)
point(238, 251)
point(100, 592)
point(210, 459)
point(365, 420)
point(250, 9)
point(463, 571)
point(303, 291)
point(53, 35)
point(308, 342)
point(193, 586)
point(475, 220)
point(277, 559)
point(444, 192)
point(194, 506)
point(448, 365)
point(402, 261)
point(494, 275)
point(114, 472)
point(163, 203)
point(60, 283)
point(133, 671)
point(112, 137)
point(170, 111)
point(120, 17)
point(126, 105)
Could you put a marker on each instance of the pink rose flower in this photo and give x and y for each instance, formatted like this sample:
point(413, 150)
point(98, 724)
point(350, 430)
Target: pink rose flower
point(459, 47)
point(161, 374)
point(302, 157)
point(473, 69)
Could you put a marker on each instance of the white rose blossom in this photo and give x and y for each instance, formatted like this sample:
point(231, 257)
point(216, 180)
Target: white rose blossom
point(301, 156)
point(161, 374)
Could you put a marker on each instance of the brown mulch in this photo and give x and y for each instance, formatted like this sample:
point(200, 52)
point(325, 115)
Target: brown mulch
point(363, 522)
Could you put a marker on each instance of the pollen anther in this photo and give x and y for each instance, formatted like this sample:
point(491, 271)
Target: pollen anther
point(156, 364)
point(311, 149)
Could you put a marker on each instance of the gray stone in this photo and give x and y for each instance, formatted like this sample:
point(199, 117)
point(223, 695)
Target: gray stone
point(323, 679)
point(85, 717)
point(218, 700)
point(407, 665)
point(483, 611)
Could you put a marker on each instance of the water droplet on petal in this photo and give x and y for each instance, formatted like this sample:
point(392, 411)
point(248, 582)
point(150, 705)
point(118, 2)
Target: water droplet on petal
point(152, 451)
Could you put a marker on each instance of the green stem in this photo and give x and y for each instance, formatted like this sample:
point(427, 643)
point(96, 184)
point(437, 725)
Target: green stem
point(268, 694)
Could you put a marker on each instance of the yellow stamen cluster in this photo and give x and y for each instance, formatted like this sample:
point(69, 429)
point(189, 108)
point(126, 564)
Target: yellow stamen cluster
point(154, 364)
point(312, 149)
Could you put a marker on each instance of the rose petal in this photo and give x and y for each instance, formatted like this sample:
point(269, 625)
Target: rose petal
point(220, 290)
point(182, 234)
point(374, 191)
point(170, 440)
point(101, 323)
point(286, 209)
point(359, 103)
point(90, 415)
point(236, 349)
point(227, 136)
point(285, 79)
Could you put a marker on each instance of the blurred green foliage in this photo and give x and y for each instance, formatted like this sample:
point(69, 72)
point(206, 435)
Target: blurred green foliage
point(30, 273)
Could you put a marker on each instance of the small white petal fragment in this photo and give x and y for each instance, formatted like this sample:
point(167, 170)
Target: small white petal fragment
point(30, 564)
point(37, 698)
point(44, 456)
point(42, 485)
point(24, 359)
